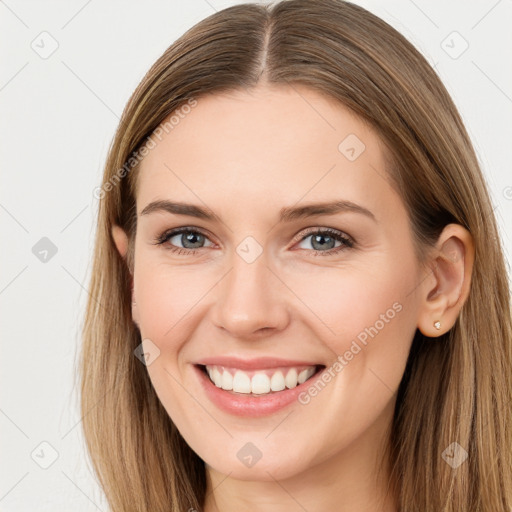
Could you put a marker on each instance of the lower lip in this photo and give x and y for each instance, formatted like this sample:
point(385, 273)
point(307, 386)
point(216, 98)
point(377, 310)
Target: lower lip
point(250, 405)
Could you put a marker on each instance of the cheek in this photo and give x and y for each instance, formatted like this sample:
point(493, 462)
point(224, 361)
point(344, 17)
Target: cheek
point(342, 303)
point(165, 308)
point(331, 307)
point(339, 304)
point(166, 297)
point(365, 316)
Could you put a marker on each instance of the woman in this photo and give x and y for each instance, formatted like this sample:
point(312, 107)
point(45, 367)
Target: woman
point(226, 366)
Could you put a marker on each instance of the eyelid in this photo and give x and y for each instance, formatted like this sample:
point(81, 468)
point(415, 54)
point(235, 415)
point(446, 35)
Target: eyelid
point(324, 230)
point(172, 232)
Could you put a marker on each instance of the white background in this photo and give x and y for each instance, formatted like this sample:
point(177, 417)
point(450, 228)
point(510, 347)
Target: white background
point(58, 116)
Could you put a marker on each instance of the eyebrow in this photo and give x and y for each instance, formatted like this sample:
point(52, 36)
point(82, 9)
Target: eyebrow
point(286, 214)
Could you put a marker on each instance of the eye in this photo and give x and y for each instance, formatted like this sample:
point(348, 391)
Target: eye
point(325, 240)
point(190, 238)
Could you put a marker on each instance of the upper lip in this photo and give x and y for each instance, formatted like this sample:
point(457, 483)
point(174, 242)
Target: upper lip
point(253, 364)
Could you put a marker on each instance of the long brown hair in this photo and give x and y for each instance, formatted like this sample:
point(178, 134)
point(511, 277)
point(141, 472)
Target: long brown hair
point(456, 388)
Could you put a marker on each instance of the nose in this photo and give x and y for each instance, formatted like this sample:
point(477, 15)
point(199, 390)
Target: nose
point(251, 300)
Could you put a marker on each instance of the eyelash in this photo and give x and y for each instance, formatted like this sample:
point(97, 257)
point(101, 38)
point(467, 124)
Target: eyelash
point(347, 242)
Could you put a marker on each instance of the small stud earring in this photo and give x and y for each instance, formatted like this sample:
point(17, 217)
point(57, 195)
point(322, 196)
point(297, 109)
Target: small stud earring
point(437, 325)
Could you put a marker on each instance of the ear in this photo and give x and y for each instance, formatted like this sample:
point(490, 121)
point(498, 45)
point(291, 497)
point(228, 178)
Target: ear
point(447, 285)
point(121, 241)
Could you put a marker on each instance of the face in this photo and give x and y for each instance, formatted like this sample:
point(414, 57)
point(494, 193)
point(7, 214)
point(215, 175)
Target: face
point(257, 287)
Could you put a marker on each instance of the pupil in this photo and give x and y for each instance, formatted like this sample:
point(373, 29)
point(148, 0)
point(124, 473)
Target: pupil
point(190, 238)
point(321, 245)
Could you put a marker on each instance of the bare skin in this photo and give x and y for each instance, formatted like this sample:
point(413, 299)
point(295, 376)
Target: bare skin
point(245, 156)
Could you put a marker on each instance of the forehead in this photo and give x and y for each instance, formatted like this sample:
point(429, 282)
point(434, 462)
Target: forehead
point(263, 146)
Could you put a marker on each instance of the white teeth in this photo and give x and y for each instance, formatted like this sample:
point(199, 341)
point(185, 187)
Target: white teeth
point(217, 378)
point(261, 382)
point(227, 380)
point(277, 382)
point(241, 382)
point(305, 374)
point(291, 378)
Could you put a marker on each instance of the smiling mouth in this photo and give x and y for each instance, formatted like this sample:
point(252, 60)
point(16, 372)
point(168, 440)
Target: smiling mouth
point(259, 382)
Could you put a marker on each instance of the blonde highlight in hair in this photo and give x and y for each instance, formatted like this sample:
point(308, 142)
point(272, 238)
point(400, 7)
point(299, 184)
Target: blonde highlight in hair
point(456, 388)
